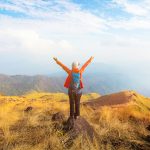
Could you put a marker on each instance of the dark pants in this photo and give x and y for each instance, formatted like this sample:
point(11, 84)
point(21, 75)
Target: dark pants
point(74, 100)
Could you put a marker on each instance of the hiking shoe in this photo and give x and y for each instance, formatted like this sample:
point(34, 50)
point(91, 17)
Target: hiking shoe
point(76, 117)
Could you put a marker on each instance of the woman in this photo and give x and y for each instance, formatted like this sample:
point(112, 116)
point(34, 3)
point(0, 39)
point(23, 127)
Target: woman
point(74, 84)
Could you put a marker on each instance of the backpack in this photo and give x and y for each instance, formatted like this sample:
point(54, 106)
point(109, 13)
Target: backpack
point(75, 82)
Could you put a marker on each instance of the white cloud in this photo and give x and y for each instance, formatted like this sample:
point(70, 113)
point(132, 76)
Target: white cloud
point(29, 41)
point(138, 8)
point(138, 15)
point(64, 30)
point(130, 24)
point(53, 35)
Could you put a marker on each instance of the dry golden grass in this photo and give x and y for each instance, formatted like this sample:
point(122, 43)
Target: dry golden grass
point(118, 127)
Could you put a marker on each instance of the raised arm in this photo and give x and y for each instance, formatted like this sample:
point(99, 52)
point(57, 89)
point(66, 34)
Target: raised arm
point(86, 64)
point(62, 65)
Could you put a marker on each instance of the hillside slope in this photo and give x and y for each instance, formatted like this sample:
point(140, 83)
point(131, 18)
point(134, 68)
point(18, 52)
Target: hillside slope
point(122, 127)
point(119, 98)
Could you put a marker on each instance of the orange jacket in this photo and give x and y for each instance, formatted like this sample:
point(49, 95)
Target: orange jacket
point(68, 79)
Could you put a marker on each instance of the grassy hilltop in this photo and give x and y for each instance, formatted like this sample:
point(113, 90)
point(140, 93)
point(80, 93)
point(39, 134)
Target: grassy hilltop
point(118, 126)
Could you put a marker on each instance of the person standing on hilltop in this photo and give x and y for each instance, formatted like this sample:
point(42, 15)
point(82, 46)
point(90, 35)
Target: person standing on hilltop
point(74, 84)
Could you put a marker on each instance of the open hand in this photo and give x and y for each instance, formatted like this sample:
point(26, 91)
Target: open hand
point(55, 58)
point(91, 57)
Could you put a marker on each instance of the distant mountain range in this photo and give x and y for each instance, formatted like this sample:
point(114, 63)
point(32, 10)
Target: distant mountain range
point(20, 84)
point(100, 78)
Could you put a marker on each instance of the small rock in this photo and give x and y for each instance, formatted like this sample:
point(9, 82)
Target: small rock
point(28, 109)
point(69, 124)
point(58, 120)
point(58, 117)
point(73, 128)
point(76, 127)
point(147, 138)
point(148, 127)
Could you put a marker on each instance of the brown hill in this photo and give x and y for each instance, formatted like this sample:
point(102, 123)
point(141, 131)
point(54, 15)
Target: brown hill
point(114, 99)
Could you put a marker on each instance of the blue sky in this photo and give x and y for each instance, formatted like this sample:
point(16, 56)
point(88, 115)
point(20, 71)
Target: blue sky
point(116, 32)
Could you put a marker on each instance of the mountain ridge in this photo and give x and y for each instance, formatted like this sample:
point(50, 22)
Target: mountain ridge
point(22, 84)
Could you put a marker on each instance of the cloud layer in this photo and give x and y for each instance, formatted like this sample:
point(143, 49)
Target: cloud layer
point(31, 33)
